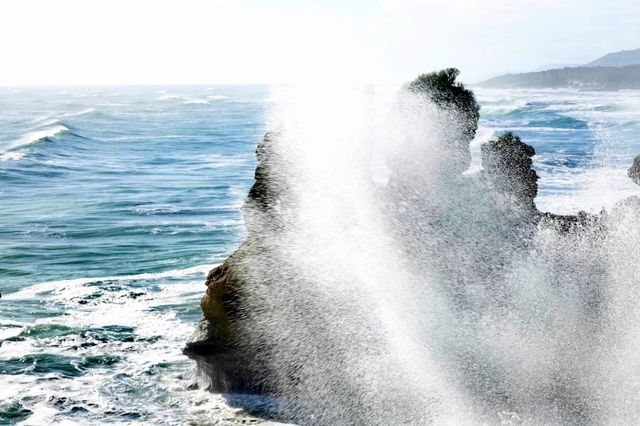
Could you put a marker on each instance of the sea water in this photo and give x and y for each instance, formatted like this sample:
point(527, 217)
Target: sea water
point(116, 201)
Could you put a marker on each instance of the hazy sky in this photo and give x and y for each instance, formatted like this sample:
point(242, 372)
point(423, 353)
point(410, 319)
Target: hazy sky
point(267, 41)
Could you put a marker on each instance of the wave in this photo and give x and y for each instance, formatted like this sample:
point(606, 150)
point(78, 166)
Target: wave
point(632, 123)
point(170, 97)
point(186, 100)
point(520, 112)
point(190, 101)
point(498, 110)
point(560, 122)
point(48, 120)
point(8, 156)
point(77, 285)
point(607, 108)
point(126, 338)
point(33, 137)
point(78, 113)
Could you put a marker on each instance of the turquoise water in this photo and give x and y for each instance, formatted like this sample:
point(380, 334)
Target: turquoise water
point(585, 142)
point(115, 202)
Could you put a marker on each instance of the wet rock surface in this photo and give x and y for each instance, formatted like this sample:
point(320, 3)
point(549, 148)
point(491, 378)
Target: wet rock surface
point(498, 201)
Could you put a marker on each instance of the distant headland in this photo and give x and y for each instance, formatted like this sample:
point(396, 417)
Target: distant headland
point(614, 71)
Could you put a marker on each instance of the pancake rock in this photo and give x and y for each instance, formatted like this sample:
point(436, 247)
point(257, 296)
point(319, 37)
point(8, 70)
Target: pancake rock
point(285, 319)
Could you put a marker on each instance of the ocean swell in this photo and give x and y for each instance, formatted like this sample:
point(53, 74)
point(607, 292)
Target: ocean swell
point(41, 134)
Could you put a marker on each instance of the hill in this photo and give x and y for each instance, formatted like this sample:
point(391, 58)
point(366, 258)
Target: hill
point(583, 78)
point(617, 59)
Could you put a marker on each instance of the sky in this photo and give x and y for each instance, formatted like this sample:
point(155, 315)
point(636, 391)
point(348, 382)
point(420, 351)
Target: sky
point(64, 42)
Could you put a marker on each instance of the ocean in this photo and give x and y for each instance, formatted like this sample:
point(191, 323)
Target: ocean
point(116, 201)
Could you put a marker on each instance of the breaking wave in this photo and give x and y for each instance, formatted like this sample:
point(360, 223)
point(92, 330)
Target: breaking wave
point(35, 136)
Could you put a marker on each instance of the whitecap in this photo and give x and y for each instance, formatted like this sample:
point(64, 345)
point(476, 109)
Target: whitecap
point(170, 97)
point(78, 113)
point(34, 137)
point(76, 287)
point(150, 210)
point(48, 121)
point(10, 329)
point(190, 101)
point(8, 156)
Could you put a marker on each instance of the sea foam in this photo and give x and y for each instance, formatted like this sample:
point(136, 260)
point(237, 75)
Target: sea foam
point(75, 285)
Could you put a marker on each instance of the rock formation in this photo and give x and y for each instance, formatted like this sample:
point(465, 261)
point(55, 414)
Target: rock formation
point(507, 169)
point(215, 345)
point(634, 170)
point(483, 220)
point(461, 110)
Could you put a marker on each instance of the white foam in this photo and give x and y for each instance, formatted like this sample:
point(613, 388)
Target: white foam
point(190, 101)
point(139, 359)
point(7, 156)
point(217, 97)
point(9, 329)
point(170, 97)
point(76, 285)
point(154, 209)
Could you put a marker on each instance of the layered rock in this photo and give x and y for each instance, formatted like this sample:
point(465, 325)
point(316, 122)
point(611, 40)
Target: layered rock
point(507, 169)
point(232, 358)
point(472, 227)
point(634, 171)
point(216, 345)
